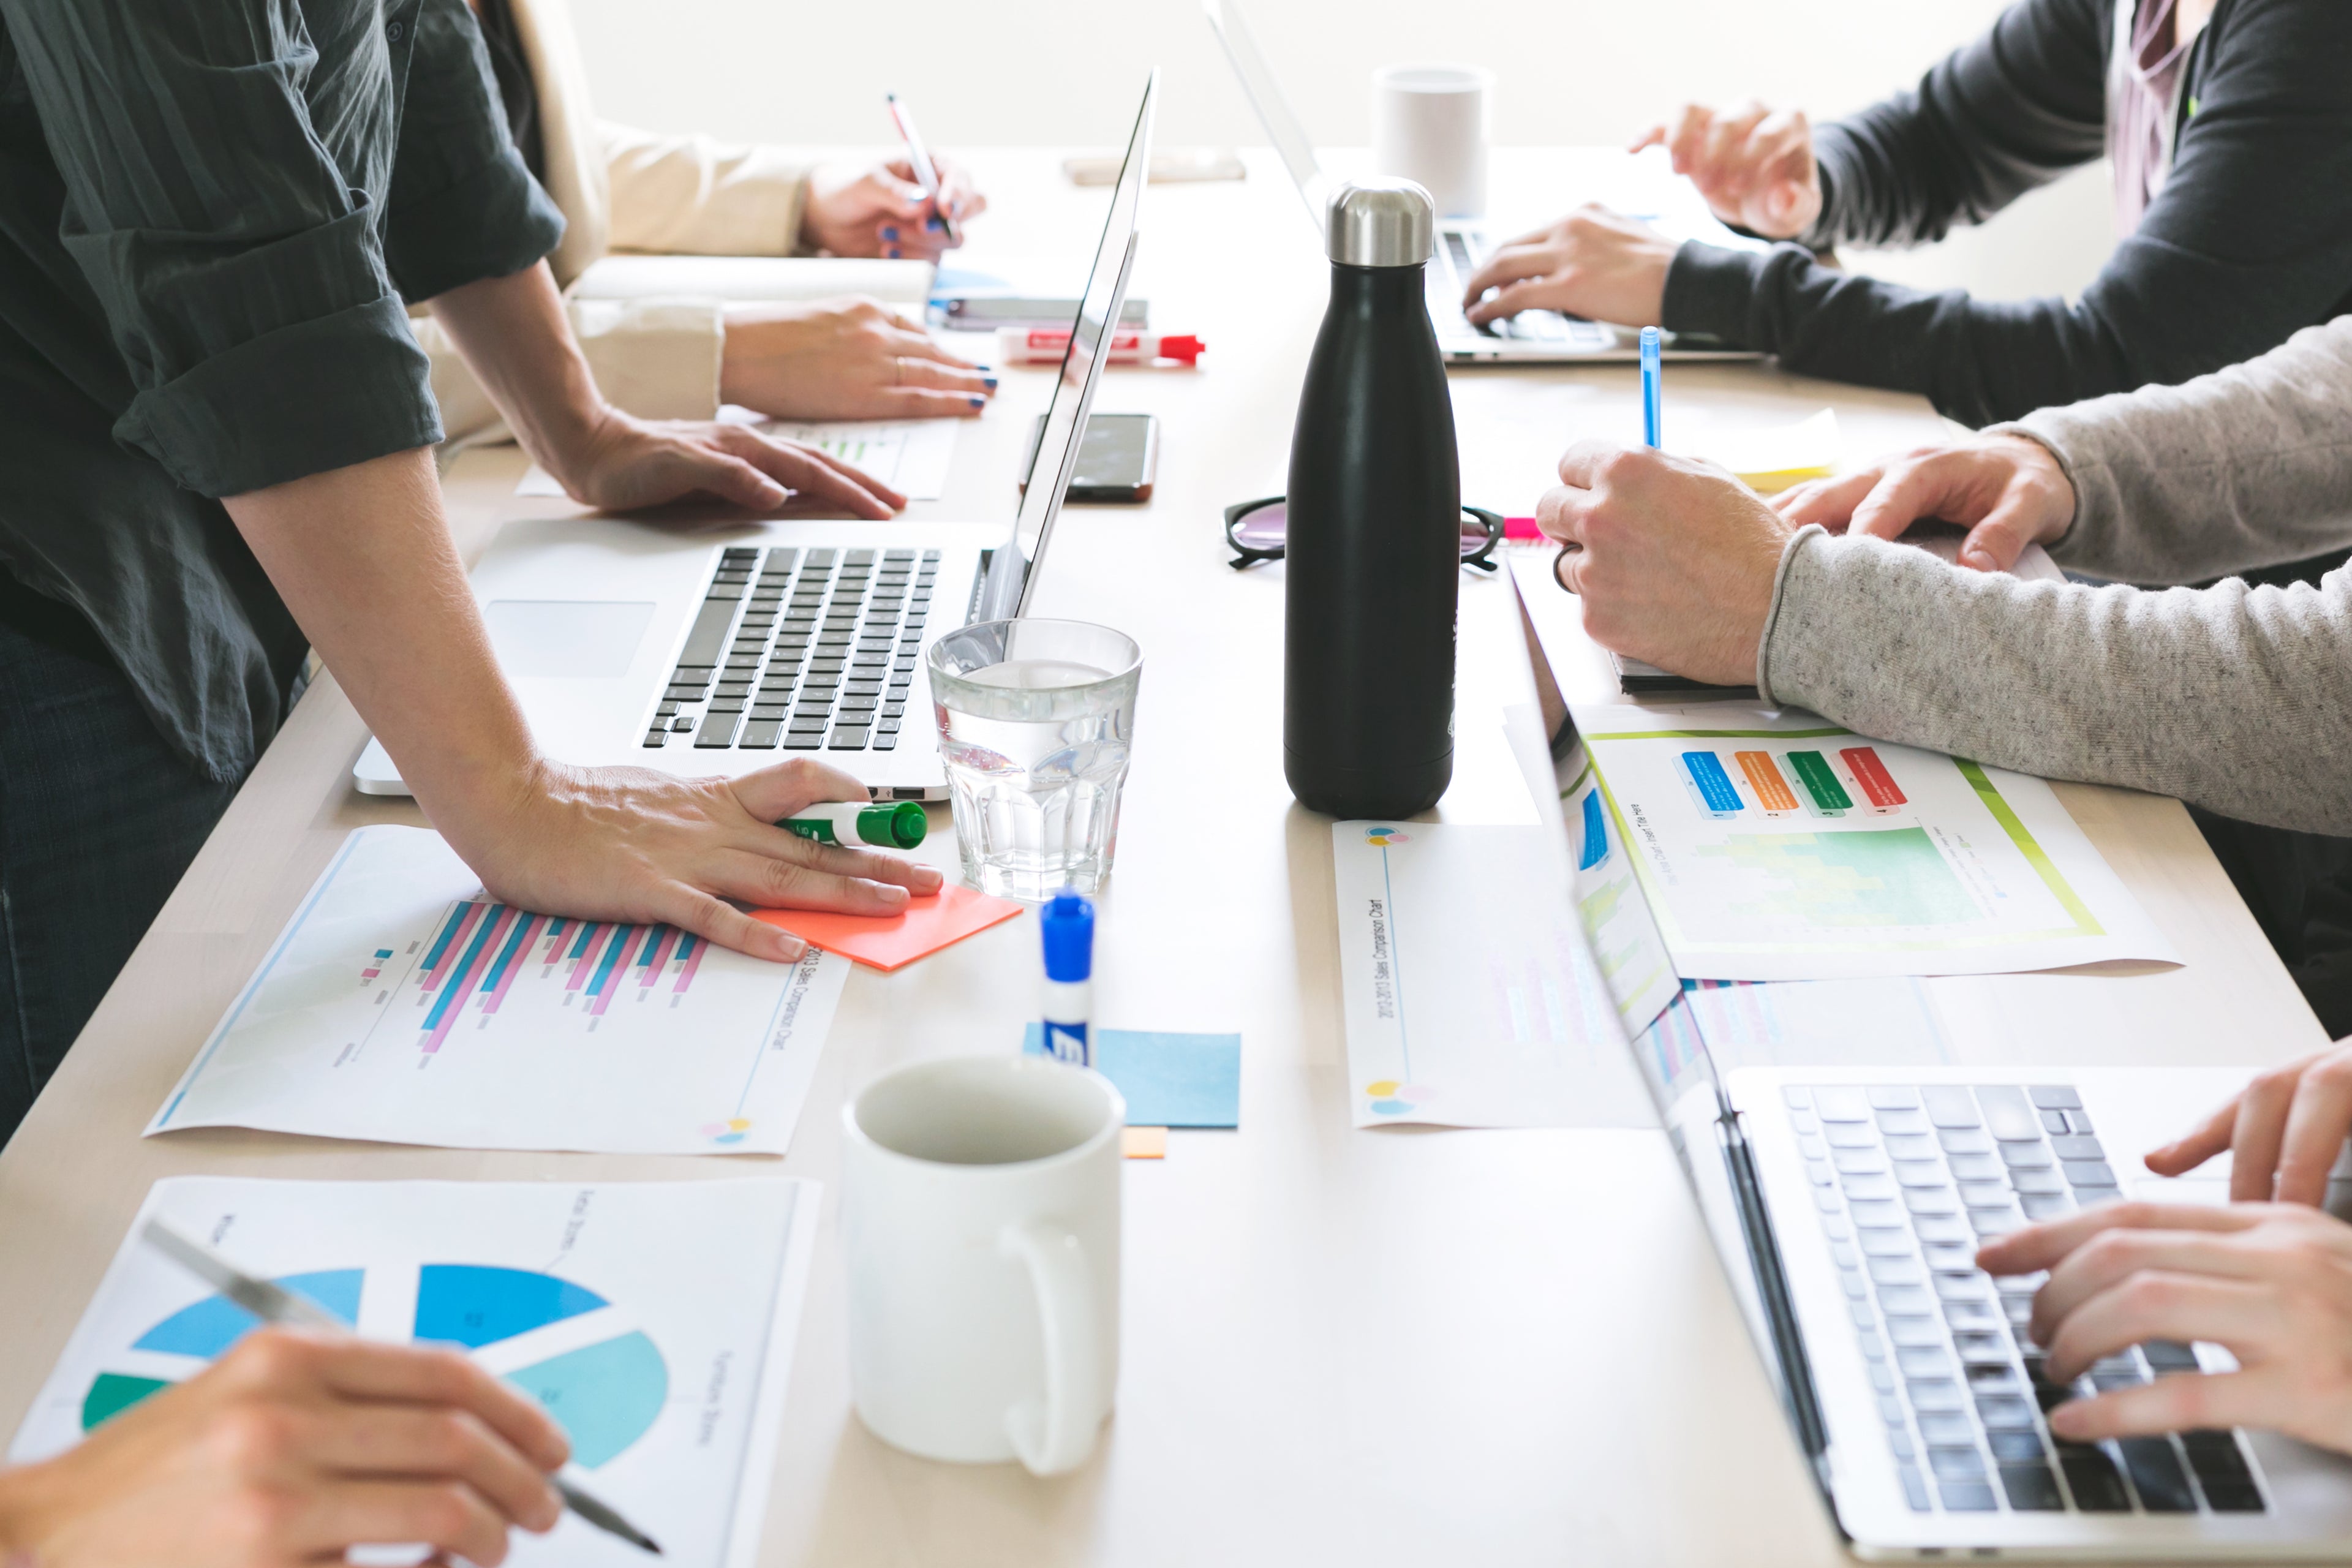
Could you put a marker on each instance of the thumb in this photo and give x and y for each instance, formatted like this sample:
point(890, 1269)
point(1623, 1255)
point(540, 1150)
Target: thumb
point(902, 196)
point(1655, 136)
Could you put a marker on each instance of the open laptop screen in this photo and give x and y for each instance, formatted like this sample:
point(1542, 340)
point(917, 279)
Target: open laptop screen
point(1265, 93)
point(1012, 575)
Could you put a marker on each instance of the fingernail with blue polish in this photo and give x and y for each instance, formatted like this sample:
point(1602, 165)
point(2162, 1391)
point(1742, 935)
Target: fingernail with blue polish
point(892, 253)
point(989, 382)
point(889, 231)
point(980, 402)
point(934, 223)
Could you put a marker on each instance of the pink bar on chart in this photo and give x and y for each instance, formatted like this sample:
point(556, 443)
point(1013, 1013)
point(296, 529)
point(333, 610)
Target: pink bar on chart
point(455, 950)
point(618, 961)
point(580, 966)
point(652, 966)
point(693, 962)
point(454, 1001)
point(522, 951)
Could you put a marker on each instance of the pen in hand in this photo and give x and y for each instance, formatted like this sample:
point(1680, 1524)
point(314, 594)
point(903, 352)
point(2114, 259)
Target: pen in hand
point(273, 1303)
point(1653, 398)
point(920, 159)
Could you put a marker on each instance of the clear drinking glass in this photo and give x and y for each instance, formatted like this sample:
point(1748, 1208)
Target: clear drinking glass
point(1035, 718)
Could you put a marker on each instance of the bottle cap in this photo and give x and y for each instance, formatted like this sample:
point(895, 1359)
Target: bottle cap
point(1184, 349)
point(903, 824)
point(1068, 921)
point(1381, 221)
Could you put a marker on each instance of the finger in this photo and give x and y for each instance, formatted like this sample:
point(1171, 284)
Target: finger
point(2112, 1256)
point(736, 479)
point(1994, 544)
point(1689, 135)
point(910, 342)
point(1655, 136)
point(1561, 513)
point(444, 1515)
point(897, 189)
point(816, 473)
point(766, 882)
point(1535, 294)
point(2158, 1305)
point(922, 240)
point(301, 1363)
point(928, 374)
point(847, 861)
point(2040, 1246)
point(2261, 1127)
point(774, 792)
point(1723, 167)
point(376, 1441)
point(2317, 1121)
point(1829, 502)
point(2185, 1402)
point(714, 920)
point(1508, 265)
point(762, 446)
point(1911, 490)
point(921, 403)
point(1568, 570)
point(1581, 467)
point(2211, 1137)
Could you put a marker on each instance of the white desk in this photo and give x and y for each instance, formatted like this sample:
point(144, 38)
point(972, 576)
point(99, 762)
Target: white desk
point(1394, 1347)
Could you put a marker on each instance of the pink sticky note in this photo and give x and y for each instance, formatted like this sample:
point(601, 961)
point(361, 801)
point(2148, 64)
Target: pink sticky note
point(1521, 527)
point(893, 941)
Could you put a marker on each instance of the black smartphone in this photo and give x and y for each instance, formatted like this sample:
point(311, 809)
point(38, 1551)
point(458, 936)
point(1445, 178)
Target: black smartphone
point(1118, 457)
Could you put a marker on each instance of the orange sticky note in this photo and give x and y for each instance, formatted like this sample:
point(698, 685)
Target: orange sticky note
point(893, 941)
point(1144, 1142)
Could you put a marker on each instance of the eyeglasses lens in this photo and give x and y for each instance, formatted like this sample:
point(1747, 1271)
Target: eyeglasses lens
point(1264, 528)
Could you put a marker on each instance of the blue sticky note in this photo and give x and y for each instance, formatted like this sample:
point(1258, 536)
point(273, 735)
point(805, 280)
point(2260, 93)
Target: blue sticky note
point(1170, 1080)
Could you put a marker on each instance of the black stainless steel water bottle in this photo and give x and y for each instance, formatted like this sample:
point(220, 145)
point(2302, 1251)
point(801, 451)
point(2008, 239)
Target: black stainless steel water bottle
point(1373, 551)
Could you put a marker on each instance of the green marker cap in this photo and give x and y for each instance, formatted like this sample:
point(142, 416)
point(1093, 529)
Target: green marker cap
point(903, 824)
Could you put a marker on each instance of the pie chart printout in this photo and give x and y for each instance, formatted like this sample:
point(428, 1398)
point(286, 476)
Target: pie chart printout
point(605, 1391)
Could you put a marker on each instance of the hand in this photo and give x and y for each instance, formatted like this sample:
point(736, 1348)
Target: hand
point(631, 844)
point(1754, 165)
point(289, 1449)
point(2271, 1283)
point(2283, 1132)
point(1591, 263)
point(622, 463)
point(2007, 491)
point(881, 211)
point(1674, 560)
point(843, 359)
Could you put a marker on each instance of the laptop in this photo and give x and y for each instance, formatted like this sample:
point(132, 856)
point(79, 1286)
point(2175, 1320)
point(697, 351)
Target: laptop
point(627, 643)
point(1531, 337)
point(1846, 1206)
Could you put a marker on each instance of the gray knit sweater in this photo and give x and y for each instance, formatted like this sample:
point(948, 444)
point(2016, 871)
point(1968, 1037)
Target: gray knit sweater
point(2235, 699)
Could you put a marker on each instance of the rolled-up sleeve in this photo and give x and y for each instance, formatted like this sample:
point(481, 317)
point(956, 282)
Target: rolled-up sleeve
point(221, 177)
point(463, 206)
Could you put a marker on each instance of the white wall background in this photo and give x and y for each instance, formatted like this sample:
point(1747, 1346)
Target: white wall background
point(1056, 72)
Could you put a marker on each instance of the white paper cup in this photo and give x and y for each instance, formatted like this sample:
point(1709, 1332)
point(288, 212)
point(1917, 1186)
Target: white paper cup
point(1429, 125)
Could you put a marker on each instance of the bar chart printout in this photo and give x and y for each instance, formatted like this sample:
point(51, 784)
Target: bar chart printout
point(1772, 845)
point(653, 1321)
point(477, 1025)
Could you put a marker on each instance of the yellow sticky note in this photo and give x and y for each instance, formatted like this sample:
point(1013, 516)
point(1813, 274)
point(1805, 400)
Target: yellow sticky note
point(1770, 460)
point(1144, 1142)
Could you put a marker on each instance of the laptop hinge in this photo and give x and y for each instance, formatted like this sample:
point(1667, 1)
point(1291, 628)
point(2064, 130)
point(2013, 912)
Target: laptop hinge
point(1803, 1399)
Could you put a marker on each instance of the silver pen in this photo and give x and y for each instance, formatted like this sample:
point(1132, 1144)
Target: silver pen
point(274, 1303)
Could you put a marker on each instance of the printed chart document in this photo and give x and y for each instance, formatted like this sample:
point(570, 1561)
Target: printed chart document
point(655, 1321)
point(1773, 845)
point(1471, 1000)
point(401, 1005)
point(911, 456)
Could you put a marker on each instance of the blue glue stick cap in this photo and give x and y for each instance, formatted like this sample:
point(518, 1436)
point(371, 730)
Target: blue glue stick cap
point(1068, 921)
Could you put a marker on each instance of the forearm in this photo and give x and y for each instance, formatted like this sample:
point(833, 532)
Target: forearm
point(518, 342)
point(363, 559)
point(2233, 699)
point(2248, 467)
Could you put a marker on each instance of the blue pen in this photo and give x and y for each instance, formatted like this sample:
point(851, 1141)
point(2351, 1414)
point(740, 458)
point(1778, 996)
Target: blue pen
point(1651, 404)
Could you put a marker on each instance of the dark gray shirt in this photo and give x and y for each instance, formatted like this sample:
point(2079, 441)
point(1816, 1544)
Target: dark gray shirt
point(2250, 239)
point(210, 213)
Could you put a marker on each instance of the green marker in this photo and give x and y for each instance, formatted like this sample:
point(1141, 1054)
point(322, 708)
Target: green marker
point(883, 826)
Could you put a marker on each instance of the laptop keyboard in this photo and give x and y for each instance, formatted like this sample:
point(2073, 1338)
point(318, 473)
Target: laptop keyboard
point(1447, 284)
point(1907, 1181)
point(800, 651)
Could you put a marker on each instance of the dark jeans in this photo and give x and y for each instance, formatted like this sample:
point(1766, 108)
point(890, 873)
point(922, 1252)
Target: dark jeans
point(2299, 886)
point(97, 820)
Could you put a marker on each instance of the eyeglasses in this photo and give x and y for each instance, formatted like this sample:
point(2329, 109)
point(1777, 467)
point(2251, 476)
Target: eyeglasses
point(1256, 530)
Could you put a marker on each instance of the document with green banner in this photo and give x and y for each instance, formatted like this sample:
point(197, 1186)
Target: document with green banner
point(1773, 845)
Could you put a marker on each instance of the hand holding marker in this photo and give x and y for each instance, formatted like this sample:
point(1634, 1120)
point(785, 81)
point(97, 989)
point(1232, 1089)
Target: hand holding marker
point(877, 824)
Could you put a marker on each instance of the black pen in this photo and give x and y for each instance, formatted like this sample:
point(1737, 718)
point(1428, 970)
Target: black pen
point(274, 1303)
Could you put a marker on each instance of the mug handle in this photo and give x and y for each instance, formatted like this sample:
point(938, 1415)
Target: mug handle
point(1058, 1432)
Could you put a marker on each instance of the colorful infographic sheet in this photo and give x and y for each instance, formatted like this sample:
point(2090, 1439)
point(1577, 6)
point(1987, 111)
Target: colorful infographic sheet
point(1626, 943)
point(1775, 845)
point(1471, 997)
point(654, 1321)
point(401, 1004)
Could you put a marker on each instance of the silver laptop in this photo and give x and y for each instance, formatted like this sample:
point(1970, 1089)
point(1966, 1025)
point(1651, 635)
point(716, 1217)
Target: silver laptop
point(1530, 337)
point(627, 643)
point(1846, 1206)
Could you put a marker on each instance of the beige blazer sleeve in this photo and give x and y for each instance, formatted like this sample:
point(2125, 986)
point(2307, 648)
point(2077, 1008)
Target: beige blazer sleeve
point(691, 195)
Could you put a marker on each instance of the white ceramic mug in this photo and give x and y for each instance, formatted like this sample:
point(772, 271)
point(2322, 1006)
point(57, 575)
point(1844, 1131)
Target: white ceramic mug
point(1429, 125)
point(980, 1214)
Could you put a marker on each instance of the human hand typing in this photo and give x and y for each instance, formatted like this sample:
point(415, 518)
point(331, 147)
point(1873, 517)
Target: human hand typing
point(2282, 1132)
point(1753, 165)
point(1592, 263)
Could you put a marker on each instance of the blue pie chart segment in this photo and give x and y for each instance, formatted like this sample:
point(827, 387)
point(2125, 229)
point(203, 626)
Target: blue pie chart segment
point(208, 1329)
point(605, 1395)
point(470, 1305)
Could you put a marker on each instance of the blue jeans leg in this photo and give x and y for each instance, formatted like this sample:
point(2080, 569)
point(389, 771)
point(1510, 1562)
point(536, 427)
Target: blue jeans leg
point(98, 819)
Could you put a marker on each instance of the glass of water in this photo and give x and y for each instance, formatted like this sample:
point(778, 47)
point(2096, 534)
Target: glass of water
point(1036, 720)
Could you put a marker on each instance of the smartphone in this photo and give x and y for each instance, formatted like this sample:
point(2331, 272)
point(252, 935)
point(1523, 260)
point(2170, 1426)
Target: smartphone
point(1118, 457)
point(986, 312)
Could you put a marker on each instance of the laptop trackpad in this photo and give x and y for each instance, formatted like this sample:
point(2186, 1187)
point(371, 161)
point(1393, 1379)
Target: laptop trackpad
point(582, 639)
